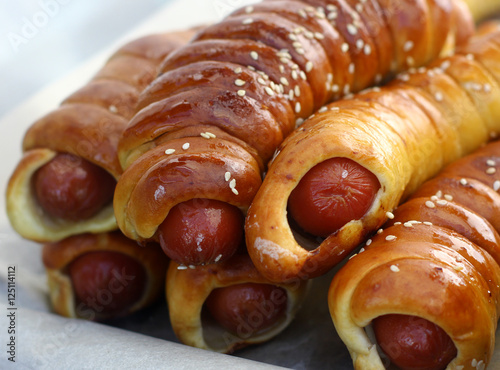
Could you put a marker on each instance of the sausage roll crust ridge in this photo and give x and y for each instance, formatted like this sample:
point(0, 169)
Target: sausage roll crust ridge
point(83, 133)
point(403, 134)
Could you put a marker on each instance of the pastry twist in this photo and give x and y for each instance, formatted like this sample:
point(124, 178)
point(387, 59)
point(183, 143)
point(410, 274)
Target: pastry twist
point(436, 260)
point(352, 162)
point(73, 194)
point(211, 121)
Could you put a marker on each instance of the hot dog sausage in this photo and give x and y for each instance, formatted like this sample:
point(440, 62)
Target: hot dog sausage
point(108, 282)
point(201, 231)
point(331, 194)
point(72, 188)
point(412, 342)
point(246, 309)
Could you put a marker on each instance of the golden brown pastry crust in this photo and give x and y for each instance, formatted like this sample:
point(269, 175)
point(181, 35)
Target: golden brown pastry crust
point(88, 124)
point(58, 256)
point(403, 133)
point(445, 254)
point(276, 62)
point(187, 289)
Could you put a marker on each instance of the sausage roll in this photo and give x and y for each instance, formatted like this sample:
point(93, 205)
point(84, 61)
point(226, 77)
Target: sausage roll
point(336, 177)
point(226, 306)
point(65, 181)
point(424, 291)
point(102, 276)
point(207, 126)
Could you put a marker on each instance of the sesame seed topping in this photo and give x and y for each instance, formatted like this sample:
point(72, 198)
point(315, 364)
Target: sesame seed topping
point(458, 268)
point(217, 259)
point(296, 90)
point(445, 65)
point(367, 49)
point(269, 91)
point(292, 37)
point(241, 92)
point(261, 81)
point(332, 15)
point(410, 61)
point(368, 242)
point(442, 202)
point(113, 109)
point(491, 170)
point(490, 162)
point(397, 223)
point(394, 268)
point(298, 122)
point(254, 55)
point(302, 75)
point(352, 68)
point(298, 108)
point(408, 224)
point(335, 88)
point(309, 66)
point(169, 151)
point(181, 267)
point(319, 36)
point(439, 96)
point(235, 191)
point(390, 238)
point(249, 9)
point(345, 47)
point(463, 182)
point(427, 223)
point(185, 146)
point(380, 231)
point(430, 204)
point(227, 176)
point(284, 81)
point(496, 185)
point(408, 45)
point(470, 56)
point(352, 29)
point(390, 215)
point(208, 135)
point(247, 21)
point(347, 89)
point(232, 183)
point(239, 82)
point(459, 259)
point(322, 109)
point(238, 70)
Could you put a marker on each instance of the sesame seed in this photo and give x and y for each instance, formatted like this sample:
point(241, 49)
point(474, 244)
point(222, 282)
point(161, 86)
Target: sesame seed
point(234, 191)
point(227, 176)
point(368, 242)
point(408, 224)
point(458, 268)
point(332, 15)
point(367, 49)
point(248, 21)
point(459, 259)
point(410, 61)
point(345, 47)
point(442, 202)
point(302, 74)
point(292, 37)
point(359, 7)
point(232, 183)
point(252, 68)
point(496, 185)
point(181, 267)
point(487, 87)
point(185, 146)
point(297, 90)
point(249, 9)
point(261, 81)
point(309, 35)
point(352, 68)
point(291, 94)
point(347, 89)
point(390, 215)
point(269, 91)
point(427, 223)
point(309, 66)
point(241, 92)
point(490, 162)
point(408, 45)
point(430, 204)
point(445, 65)
point(470, 56)
point(439, 96)
point(322, 109)
point(434, 198)
point(463, 182)
point(113, 109)
point(254, 55)
point(319, 36)
point(208, 135)
point(169, 151)
point(335, 88)
point(491, 170)
point(192, 267)
point(380, 231)
point(284, 81)
point(297, 107)
point(299, 121)
point(217, 259)
point(394, 268)
point(390, 238)
point(238, 70)
point(239, 82)
point(352, 29)
point(282, 68)
point(448, 197)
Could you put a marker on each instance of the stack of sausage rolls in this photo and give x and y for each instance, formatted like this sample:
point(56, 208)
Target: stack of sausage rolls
point(176, 145)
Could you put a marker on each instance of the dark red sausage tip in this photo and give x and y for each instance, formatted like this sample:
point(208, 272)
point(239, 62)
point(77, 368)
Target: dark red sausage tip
point(71, 188)
point(201, 231)
point(331, 194)
point(247, 309)
point(413, 343)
